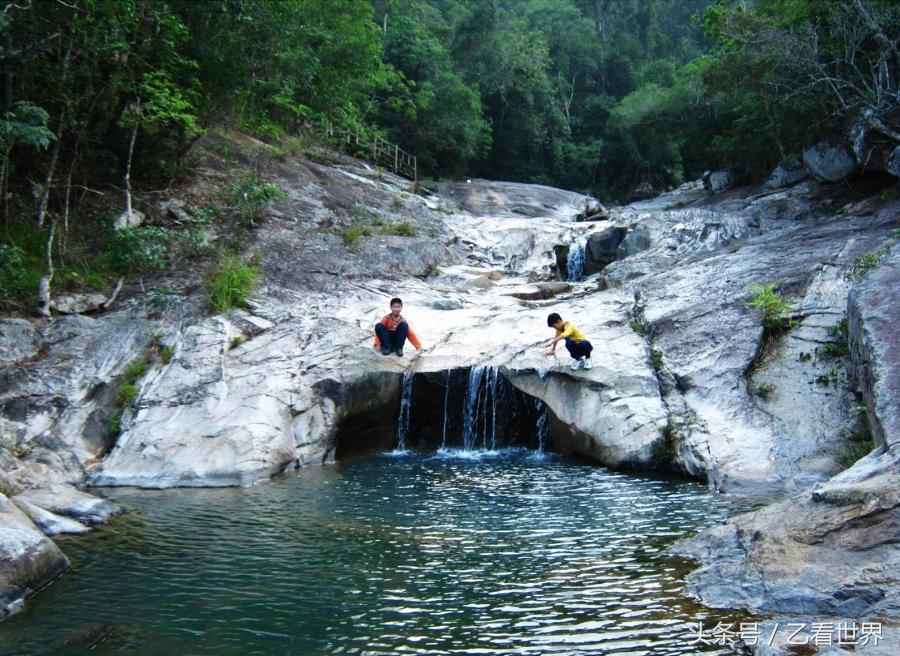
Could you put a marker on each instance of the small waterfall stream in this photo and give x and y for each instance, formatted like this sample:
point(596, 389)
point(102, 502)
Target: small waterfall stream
point(403, 419)
point(479, 414)
point(575, 261)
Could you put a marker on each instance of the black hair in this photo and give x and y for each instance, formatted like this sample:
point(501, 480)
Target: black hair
point(395, 300)
point(553, 318)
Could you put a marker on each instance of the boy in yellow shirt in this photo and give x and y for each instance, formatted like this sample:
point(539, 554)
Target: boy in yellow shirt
point(576, 343)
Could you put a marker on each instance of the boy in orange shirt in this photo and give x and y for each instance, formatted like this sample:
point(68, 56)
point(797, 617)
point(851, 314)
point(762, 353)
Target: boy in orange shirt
point(392, 331)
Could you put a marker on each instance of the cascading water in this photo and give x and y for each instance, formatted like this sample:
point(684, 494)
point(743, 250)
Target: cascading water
point(470, 413)
point(480, 410)
point(575, 261)
point(405, 405)
point(446, 414)
point(541, 427)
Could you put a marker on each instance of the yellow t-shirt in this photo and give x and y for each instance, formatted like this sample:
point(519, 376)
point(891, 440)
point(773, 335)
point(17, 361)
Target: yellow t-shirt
point(570, 331)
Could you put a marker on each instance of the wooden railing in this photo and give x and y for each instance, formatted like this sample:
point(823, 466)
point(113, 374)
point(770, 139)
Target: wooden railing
point(378, 151)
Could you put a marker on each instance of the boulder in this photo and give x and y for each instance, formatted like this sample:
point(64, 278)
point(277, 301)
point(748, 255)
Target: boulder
point(603, 249)
point(71, 502)
point(50, 523)
point(636, 241)
point(540, 291)
point(28, 559)
point(126, 220)
point(787, 173)
point(77, 303)
point(717, 181)
point(871, 148)
point(893, 163)
point(829, 161)
point(643, 191)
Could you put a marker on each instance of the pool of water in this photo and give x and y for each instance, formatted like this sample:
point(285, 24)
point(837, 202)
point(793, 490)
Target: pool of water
point(453, 552)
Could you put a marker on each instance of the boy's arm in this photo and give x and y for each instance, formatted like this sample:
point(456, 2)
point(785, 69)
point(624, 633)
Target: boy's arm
point(411, 336)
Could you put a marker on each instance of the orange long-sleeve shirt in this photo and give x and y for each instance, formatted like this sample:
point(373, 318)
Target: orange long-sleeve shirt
point(388, 322)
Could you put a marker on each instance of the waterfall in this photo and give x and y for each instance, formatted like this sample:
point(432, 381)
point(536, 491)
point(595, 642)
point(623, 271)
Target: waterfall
point(480, 410)
point(541, 427)
point(446, 403)
point(575, 261)
point(470, 416)
point(405, 404)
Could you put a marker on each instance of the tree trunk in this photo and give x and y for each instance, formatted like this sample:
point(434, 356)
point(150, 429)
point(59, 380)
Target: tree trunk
point(51, 169)
point(43, 299)
point(134, 132)
point(4, 171)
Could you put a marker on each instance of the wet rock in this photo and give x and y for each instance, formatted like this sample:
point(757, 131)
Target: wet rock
point(829, 161)
point(28, 560)
point(787, 173)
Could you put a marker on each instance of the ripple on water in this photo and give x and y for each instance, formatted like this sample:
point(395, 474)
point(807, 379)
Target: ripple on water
point(451, 552)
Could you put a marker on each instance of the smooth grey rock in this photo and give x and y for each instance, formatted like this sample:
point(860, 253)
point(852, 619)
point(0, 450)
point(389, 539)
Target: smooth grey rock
point(28, 560)
point(636, 241)
point(58, 403)
point(445, 304)
point(49, 523)
point(18, 340)
point(874, 326)
point(69, 501)
point(787, 173)
point(832, 550)
point(716, 182)
point(829, 161)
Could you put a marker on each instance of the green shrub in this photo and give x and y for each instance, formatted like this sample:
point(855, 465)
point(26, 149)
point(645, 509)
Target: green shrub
point(864, 263)
point(858, 443)
point(352, 234)
point(165, 354)
point(771, 306)
point(637, 326)
point(12, 270)
point(249, 197)
point(126, 394)
point(231, 282)
point(656, 359)
point(403, 229)
point(236, 341)
point(839, 347)
point(160, 298)
point(139, 250)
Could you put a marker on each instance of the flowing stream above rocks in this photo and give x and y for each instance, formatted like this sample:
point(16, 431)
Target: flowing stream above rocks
point(435, 553)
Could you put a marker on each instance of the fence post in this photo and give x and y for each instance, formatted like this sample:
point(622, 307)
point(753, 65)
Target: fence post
point(396, 157)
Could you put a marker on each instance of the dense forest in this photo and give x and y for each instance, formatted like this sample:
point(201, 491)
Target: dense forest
point(598, 96)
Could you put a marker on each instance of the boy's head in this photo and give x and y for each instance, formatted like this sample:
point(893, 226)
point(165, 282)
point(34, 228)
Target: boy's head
point(554, 320)
point(396, 305)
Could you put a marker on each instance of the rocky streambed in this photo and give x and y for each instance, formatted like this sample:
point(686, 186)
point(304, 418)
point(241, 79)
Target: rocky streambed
point(687, 379)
